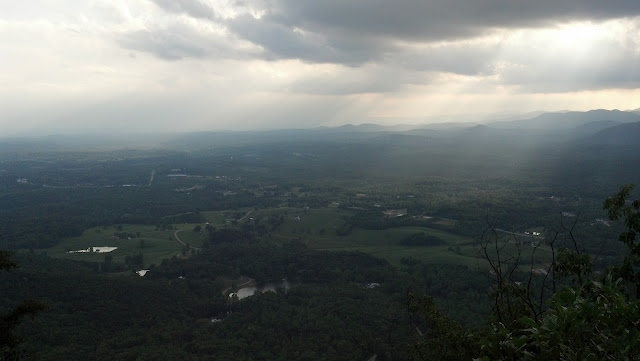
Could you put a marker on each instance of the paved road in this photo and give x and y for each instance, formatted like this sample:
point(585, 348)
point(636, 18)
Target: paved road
point(246, 283)
point(245, 216)
point(519, 234)
point(175, 235)
point(153, 174)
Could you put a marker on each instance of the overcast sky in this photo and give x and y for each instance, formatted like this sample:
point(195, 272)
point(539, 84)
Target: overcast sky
point(84, 65)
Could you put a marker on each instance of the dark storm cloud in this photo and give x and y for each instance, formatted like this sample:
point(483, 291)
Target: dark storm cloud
point(356, 31)
point(352, 49)
point(353, 32)
point(413, 35)
point(282, 41)
point(439, 19)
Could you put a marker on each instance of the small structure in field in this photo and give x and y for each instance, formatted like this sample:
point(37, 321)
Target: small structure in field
point(395, 212)
point(142, 272)
point(95, 250)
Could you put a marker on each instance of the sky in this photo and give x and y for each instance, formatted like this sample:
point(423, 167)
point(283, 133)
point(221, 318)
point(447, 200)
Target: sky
point(188, 65)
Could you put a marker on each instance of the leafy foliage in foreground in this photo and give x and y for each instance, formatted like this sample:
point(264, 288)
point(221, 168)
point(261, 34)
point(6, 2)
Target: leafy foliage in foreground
point(594, 321)
point(591, 318)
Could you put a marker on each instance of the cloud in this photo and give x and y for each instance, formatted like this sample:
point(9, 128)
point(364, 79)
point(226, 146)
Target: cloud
point(354, 32)
point(195, 8)
point(371, 78)
point(617, 69)
point(169, 43)
point(439, 19)
point(583, 56)
point(262, 63)
point(357, 31)
point(187, 39)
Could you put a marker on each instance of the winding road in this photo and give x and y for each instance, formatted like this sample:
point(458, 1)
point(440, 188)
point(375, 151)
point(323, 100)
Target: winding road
point(245, 216)
point(175, 235)
point(153, 174)
point(519, 234)
point(249, 281)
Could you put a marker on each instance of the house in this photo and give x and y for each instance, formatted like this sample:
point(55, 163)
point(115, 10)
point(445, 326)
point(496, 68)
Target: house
point(142, 272)
point(103, 249)
point(95, 250)
point(395, 212)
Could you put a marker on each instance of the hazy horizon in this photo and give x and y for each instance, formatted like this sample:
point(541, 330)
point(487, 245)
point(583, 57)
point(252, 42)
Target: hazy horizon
point(401, 124)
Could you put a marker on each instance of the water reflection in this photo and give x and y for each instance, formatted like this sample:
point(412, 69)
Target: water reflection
point(269, 287)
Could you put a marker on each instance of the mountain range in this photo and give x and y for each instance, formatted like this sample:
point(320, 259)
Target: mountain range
point(602, 127)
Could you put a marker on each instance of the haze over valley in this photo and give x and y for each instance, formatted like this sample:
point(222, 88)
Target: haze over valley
point(336, 180)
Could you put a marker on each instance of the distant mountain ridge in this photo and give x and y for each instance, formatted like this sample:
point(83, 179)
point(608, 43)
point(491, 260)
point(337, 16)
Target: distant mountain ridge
point(569, 120)
point(581, 122)
point(623, 134)
point(596, 126)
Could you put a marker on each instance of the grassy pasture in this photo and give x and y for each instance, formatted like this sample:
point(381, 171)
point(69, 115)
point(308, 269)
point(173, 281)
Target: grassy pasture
point(317, 228)
point(157, 244)
point(188, 235)
point(314, 227)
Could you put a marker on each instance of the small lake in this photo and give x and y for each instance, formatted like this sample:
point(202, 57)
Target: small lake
point(269, 287)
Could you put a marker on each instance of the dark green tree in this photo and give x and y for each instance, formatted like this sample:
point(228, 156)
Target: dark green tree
point(620, 206)
point(9, 341)
point(591, 317)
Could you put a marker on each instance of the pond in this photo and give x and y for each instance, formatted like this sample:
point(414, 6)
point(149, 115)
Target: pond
point(269, 287)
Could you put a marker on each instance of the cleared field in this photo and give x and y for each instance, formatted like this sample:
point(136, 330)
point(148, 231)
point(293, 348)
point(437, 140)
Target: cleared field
point(317, 228)
point(226, 217)
point(155, 245)
point(386, 244)
point(188, 235)
point(216, 218)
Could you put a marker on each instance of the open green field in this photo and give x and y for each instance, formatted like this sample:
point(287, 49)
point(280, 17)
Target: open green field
point(221, 218)
point(386, 244)
point(155, 245)
point(317, 228)
point(216, 218)
point(188, 235)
